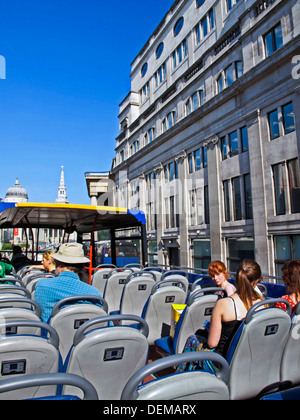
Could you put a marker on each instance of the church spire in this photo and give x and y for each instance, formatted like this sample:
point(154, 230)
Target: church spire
point(62, 192)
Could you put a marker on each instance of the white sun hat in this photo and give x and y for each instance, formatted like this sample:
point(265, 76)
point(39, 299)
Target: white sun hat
point(71, 253)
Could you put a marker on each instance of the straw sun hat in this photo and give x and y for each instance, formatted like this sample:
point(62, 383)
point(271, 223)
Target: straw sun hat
point(71, 253)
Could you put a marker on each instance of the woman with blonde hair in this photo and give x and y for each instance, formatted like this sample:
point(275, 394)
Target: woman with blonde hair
point(48, 263)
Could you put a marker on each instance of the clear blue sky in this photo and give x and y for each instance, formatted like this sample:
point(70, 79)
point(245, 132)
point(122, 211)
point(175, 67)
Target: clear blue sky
point(67, 71)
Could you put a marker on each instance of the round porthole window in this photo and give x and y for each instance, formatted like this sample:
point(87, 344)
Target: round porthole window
point(159, 50)
point(144, 69)
point(178, 26)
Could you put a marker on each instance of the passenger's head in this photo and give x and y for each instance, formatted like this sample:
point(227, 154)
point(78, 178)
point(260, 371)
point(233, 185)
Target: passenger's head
point(247, 277)
point(48, 259)
point(17, 250)
point(70, 257)
point(218, 272)
point(291, 276)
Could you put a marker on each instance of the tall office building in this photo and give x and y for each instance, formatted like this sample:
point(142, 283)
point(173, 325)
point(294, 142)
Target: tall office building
point(209, 137)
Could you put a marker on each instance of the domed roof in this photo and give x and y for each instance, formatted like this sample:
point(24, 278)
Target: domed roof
point(16, 193)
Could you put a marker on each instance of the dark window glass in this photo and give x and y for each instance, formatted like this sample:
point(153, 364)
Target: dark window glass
point(159, 50)
point(288, 118)
point(274, 125)
point(178, 26)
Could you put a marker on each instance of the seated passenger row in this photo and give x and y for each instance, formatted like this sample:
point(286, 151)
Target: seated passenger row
point(108, 357)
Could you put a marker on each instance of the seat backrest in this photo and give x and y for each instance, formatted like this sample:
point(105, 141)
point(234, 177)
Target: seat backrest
point(12, 290)
point(157, 310)
point(175, 277)
point(70, 313)
point(195, 385)
point(27, 277)
point(28, 355)
point(108, 356)
point(14, 309)
point(199, 309)
point(100, 276)
point(34, 279)
point(156, 270)
point(256, 351)
point(114, 287)
point(290, 373)
point(136, 293)
point(43, 380)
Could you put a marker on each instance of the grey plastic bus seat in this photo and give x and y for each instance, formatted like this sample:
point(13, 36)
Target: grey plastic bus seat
point(255, 353)
point(33, 279)
point(26, 278)
point(176, 275)
point(13, 291)
point(50, 379)
point(198, 310)
point(28, 355)
point(70, 313)
point(108, 357)
point(136, 293)
point(13, 281)
point(194, 385)
point(100, 275)
point(157, 310)
point(14, 309)
point(156, 270)
point(114, 287)
point(290, 363)
point(204, 281)
point(133, 266)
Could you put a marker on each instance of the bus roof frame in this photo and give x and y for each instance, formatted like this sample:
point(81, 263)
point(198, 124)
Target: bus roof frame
point(73, 218)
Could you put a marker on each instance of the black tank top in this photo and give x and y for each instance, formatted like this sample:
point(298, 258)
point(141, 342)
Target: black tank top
point(228, 331)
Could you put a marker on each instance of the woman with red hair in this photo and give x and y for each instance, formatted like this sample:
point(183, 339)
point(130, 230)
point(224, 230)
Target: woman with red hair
point(291, 278)
point(219, 275)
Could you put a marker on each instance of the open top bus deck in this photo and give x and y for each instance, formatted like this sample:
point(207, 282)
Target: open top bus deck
point(237, 378)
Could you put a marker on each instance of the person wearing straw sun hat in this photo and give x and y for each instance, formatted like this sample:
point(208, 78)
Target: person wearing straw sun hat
point(70, 262)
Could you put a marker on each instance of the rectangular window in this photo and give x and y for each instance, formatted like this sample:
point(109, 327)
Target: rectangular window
point(172, 212)
point(238, 69)
point(229, 75)
point(201, 253)
point(204, 157)
point(248, 197)
point(279, 188)
point(273, 40)
point(192, 208)
point(237, 204)
point(206, 206)
point(233, 144)
point(224, 147)
point(204, 27)
point(226, 189)
point(191, 163)
point(237, 250)
point(286, 248)
point(211, 17)
point(195, 101)
point(197, 159)
point(220, 84)
point(294, 185)
point(244, 139)
point(274, 124)
point(288, 118)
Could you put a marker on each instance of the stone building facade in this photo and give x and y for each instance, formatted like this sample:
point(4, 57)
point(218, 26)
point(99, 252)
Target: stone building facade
point(209, 137)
